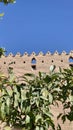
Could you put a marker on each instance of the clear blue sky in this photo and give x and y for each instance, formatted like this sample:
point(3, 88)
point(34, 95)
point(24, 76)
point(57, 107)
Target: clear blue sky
point(37, 25)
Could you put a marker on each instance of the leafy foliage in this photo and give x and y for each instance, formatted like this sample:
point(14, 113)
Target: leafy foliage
point(2, 51)
point(28, 104)
point(66, 95)
point(7, 1)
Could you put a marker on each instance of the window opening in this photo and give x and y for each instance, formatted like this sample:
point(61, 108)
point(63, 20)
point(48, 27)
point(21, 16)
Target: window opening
point(42, 61)
point(52, 61)
point(33, 67)
point(61, 60)
point(4, 62)
point(24, 62)
point(33, 61)
point(71, 61)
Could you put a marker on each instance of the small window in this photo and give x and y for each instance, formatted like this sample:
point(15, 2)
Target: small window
point(71, 65)
point(33, 61)
point(52, 61)
point(33, 67)
point(42, 61)
point(4, 62)
point(71, 61)
point(24, 62)
point(61, 60)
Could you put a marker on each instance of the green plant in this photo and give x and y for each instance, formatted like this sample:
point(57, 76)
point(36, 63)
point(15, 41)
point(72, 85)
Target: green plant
point(28, 105)
point(7, 1)
point(2, 52)
point(66, 95)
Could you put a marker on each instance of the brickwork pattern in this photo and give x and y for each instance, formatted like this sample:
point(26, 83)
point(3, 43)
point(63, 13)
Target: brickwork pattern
point(34, 63)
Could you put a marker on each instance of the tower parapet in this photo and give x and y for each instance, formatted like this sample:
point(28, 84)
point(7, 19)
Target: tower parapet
point(34, 63)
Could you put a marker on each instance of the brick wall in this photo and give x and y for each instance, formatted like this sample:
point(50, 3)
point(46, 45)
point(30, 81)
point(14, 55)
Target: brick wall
point(34, 63)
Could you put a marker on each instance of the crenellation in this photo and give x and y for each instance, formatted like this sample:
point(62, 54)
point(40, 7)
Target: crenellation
point(48, 53)
point(33, 63)
point(56, 53)
point(33, 54)
point(9, 55)
point(26, 54)
point(63, 53)
point(41, 53)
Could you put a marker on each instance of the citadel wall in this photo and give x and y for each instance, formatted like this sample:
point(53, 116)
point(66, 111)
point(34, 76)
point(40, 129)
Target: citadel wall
point(34, 63)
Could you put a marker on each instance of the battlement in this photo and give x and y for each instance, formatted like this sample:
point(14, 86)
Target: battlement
point(34, 63)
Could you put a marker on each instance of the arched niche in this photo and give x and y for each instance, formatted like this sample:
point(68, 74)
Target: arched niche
point(33, 64)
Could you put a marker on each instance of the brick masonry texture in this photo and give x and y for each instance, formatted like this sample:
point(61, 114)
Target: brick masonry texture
point(34, 63)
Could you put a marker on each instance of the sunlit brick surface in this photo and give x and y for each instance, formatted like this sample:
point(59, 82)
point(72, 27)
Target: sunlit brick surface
point(34, 63)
